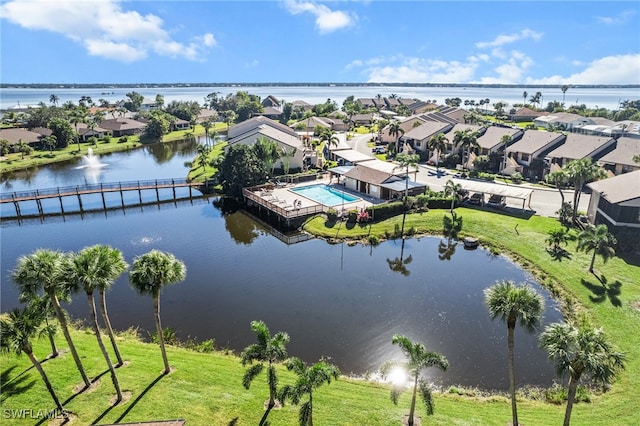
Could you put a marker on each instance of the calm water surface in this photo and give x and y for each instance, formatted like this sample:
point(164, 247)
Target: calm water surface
point(603, 97)
point(334, 300)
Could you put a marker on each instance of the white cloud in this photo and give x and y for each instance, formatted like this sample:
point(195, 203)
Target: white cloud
point(503, 39)
point(327, 20)
point(620, 69)
point(400, 69)
point(252, 64)
point(618, 19)
point(104, 28)
point(510, 72)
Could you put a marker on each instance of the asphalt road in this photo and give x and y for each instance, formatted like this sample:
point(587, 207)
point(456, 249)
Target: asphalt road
point(544, 201)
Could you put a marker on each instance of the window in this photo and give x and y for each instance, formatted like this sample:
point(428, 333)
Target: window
point(525, 157)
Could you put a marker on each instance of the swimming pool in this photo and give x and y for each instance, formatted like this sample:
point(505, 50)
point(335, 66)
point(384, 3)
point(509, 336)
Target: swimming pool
point(324, 194)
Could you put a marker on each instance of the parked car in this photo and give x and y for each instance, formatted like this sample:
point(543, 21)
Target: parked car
point(476, 198)
point(379, 150)
point(497, 201)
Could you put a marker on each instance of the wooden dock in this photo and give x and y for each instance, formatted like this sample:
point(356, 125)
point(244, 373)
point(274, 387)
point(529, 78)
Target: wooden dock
point(19, 199)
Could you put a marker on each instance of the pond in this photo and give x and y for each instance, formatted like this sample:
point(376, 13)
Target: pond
point(335, 300)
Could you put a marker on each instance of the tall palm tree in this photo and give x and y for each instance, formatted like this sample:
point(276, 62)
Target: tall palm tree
point(395, 131)
point(150, 273)
point(466, 139)
point(78, 115)
point(418, 360)
point(598, 240)
point(559, 179)
point(54, 99)
point(203, 151)
point(514, 304)
point(438, 143)
point(47, 270)
point(42, 303)
point(406, 161)
point(580, 351)
point(268, 350)
point(91, 265)
point(581, 172)
point(116, 266)
point(309, 379)
point(207, 124)
point(564, 89)
point(17, 330)
point(524, 98)
point(452, 189)
point(330, 137)
point(505, 139)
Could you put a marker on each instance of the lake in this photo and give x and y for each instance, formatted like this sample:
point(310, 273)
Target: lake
point(334, 300)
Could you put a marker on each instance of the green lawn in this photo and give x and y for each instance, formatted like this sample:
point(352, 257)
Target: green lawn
point(206, 389)
point(14, 161)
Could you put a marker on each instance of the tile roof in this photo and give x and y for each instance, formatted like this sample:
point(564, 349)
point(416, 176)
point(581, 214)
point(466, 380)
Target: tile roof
point(493, 134)
point(426, 130)
point(535, 140)
point(461, 127)
point(13, 135)
point(254, 122)
point(578, 146)
point(623, 153)
point(618, 189)
point(122, 124)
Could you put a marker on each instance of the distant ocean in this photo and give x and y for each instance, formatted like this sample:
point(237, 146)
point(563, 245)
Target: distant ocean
point(608, 98)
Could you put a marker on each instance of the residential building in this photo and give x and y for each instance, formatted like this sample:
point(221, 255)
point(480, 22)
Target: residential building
point(562, 120)
point(527, 155)
point(578, 146)
point(491, 140)
point(616, 202)
point(620, 159)
point(123, 126)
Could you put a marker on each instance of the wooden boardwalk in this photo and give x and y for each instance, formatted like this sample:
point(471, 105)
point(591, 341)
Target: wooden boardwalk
point(18, 198)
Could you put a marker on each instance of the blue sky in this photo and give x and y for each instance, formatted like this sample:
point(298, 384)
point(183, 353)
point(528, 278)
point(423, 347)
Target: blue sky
point(515, 42)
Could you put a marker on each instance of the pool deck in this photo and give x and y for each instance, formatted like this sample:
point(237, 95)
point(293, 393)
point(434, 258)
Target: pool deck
point(281, 200)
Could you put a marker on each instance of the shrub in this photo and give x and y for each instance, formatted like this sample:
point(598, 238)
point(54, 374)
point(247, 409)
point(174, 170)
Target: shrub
point(123, 139)
point(517, 177)
point(332, 215)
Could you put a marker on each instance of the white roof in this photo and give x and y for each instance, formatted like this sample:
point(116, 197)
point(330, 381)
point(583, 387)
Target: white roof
point(353, 156)
point(492, 188)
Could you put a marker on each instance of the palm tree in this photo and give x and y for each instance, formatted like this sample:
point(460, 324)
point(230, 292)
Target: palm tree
point(418, 360)
point(97, 267)
point(564, 89)
point(524, 98)
point(50, 142)
point(17, 330)
point(116, 265)
point(268, 151)
point(230, 117)
point(396, 131)
point(76, 116)
point(557, 237)
point(580, 172)
point(505, 139)
point(559, 179)
point(452, 189)
point(514, 304)
point(465, 139)
point(54, 99)
point(208, 124)
point(287, 156)
point(581, 351)
point(150, 273)
point(330, 137)
point(47, 270)
point(598, 240)
point(203, 155)
point(406, 161)
point(309, 379)
point(268, 349)
point(42, 304)
point(22, 147)
point(438, 143)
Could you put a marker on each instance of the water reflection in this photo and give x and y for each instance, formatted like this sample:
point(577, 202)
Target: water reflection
point(399, 264)
point(447, 249)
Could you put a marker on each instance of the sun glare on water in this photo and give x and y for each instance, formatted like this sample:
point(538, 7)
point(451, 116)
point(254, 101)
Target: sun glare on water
point(397, 376)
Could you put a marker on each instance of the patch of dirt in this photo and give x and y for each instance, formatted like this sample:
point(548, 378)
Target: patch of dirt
point(126, 396)
point(417, 421)
point(277, 405)
point(72, 419)
point(636, 305)
point(80, 388)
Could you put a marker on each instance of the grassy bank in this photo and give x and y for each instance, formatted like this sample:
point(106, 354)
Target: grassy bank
point(14, 161)
point(615, 306)
point(206, 389)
